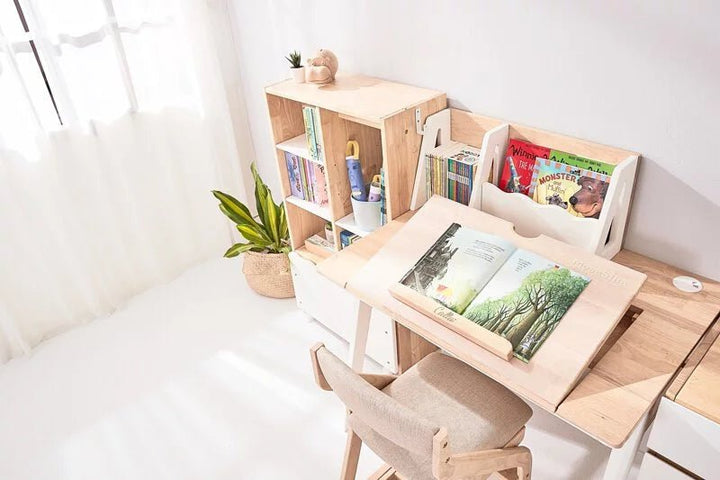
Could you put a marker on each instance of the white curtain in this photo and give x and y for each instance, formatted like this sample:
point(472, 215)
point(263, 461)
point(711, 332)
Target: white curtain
point(114, 195)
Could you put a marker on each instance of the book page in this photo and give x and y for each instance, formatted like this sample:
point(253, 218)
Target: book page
point(458, 266)
point(525, 301)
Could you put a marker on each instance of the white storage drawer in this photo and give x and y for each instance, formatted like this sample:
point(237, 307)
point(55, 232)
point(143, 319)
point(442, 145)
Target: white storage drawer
point(687, 439)
point(653, 468)
point(337, 309)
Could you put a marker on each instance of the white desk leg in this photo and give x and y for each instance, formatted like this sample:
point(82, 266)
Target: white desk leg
point(621, 459)
point(358, 342)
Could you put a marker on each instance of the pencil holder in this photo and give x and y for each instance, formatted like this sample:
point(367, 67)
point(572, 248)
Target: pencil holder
point(367, 214)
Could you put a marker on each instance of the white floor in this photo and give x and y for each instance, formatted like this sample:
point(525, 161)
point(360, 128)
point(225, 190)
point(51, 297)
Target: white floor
point(200, 379)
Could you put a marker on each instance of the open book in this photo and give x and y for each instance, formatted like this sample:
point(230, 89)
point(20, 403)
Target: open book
point(492, 284)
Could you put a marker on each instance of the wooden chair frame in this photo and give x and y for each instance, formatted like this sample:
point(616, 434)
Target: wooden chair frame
point(512, 462)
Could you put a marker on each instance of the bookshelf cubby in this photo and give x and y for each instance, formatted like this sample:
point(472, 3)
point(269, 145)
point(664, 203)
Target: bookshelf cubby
point(379, 115)
point(602, 236)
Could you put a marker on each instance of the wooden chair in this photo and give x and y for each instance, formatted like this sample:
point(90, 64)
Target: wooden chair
point(440, 420)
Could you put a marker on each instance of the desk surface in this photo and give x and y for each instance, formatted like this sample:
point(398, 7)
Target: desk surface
point(638, 362)
point(700, 391)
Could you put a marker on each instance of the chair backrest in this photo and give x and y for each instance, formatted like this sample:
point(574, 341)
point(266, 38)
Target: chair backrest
point(374, 408)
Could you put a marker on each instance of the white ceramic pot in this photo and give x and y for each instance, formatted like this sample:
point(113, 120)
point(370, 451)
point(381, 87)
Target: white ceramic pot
point(298, 74)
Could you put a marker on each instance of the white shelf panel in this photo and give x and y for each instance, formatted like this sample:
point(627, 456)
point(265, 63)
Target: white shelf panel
point(321, 211)
point(297, 146)
point(348, 223)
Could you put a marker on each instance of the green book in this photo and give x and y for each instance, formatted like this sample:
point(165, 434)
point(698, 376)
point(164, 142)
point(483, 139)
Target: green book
point(581, 162)
point(310, 130)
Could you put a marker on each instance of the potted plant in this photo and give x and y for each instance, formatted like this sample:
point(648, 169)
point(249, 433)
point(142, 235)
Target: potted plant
point(266, 265)
point(296, 67)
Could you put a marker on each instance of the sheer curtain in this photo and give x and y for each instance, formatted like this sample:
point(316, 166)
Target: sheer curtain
point(105, 184)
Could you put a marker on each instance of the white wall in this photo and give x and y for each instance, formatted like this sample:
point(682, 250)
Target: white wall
point(644, 76)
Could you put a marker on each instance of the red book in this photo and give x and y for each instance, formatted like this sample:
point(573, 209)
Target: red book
point(519, 165)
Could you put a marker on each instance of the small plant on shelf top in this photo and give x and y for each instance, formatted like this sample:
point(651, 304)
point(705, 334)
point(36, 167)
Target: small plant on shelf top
point(266, 265)
point(296, 67)
point(295, 59)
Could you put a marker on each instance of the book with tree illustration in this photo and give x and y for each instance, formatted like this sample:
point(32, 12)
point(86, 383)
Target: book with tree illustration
point(491, 284)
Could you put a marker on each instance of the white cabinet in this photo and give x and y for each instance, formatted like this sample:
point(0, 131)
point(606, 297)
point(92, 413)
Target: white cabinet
point(653, 468)
point(337, 309)
point(686, 439)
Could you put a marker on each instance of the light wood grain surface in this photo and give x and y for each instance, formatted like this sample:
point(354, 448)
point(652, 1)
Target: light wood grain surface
point(633, 369)
point(557, 366)
point(362, 99)
point(701, 392)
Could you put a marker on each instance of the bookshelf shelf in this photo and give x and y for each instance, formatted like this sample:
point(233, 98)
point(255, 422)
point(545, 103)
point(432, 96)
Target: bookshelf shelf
point(348, 223)
point(381, 116)
point(378, 114)
point(314, 208)
point(296, 146)
point(602, 236)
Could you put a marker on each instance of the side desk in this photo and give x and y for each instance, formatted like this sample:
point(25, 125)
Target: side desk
point(614, 399)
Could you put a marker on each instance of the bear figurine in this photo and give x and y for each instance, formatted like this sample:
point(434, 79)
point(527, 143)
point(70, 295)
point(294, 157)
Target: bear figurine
point(322, 67)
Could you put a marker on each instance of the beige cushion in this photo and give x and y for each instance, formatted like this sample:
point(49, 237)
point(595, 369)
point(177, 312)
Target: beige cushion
point(479, 413)
point(400, 425)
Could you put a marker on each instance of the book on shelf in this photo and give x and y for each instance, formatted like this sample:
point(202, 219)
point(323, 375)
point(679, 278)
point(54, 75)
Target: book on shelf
point(347, 237)
point(383, 200)
point(320, 246)
point(295, 175)
point(581, 162)
point(578, 191)
point(450, 169)
point(553, 177)
point(478, 282)
point(517, 172)
point(313, 132)
point(307, 179)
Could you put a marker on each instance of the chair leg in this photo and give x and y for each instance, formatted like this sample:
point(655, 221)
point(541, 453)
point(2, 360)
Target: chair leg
point(524, 470)
point(352, 455)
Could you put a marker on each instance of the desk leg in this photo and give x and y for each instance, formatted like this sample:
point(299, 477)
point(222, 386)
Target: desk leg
point(358, 342)
point(621, 459)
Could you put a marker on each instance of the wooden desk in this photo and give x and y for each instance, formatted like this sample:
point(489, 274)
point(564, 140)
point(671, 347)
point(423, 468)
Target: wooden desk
point(628, 375)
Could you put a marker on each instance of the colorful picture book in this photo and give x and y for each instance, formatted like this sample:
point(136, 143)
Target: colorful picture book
point(554, 177)
point(486, 282)
point(307, 179)
point(581, 162)
point(347, 237)
point(313, 132)
point(517, 172)
point(450, 171)
point(581, 192)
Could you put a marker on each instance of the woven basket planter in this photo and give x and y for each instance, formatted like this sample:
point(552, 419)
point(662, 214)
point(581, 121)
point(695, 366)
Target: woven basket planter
point(269, 274)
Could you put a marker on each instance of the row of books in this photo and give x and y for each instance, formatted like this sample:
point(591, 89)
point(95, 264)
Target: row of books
point(554, 177)
point(313, 132)
point(450, 170)
point(307, 179)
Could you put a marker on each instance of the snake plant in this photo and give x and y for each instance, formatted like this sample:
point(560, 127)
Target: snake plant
point(295, 59)
point(267, 232)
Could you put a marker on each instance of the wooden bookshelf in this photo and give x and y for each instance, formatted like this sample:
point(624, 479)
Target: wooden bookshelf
point(379, 115)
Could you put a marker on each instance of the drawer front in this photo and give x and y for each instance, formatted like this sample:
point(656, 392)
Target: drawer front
point(687, 439)
point(653, 468)
point(336, 308)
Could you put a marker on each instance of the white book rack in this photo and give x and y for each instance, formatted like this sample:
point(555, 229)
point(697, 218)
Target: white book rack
point(602, 236)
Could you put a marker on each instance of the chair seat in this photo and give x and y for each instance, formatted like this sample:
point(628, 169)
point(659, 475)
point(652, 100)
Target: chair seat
point(478, 412)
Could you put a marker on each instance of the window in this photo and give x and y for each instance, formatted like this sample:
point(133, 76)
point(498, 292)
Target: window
point(36, 56)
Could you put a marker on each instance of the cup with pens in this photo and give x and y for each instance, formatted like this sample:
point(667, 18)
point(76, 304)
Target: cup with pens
point(366, 199)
